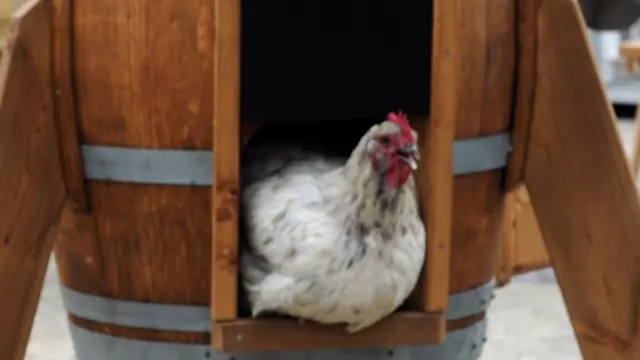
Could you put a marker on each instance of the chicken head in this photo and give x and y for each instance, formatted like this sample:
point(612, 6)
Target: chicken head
point(393, 149)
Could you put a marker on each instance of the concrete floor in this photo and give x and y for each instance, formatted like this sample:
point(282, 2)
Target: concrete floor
point(528, 319)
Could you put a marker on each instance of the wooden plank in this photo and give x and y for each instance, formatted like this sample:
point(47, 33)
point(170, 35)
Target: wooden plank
point(582, 190)
point(143, 75)
point(64, 102)
point(31, 179)
point(436, 138)
point(400, 329)
point(226, 134)
point(524, 88)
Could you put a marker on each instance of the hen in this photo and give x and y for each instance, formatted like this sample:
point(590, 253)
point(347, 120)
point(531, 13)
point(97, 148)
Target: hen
point(335, 240)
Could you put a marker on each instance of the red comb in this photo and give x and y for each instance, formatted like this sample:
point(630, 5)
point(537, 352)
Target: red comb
point(399, 118)
point(402, 121)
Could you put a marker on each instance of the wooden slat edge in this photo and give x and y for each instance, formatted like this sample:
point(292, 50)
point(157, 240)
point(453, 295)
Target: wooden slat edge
point(64, 101)
point(400, 329)
point(436, 145)
point(226, 135)
point(30, 174)
point(525, 85)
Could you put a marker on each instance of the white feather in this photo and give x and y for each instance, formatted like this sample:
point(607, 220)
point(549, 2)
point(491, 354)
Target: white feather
point(305, 226)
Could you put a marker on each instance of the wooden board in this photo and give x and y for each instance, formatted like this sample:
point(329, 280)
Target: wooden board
point(31, 180)
point(402, 329)
point(582, 190)
point(226, 133)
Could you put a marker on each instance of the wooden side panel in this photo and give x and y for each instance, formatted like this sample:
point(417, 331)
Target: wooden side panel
point(226, 188)
point(30, 175)
point(142, 73)
point(582, 190)
point(436, 162)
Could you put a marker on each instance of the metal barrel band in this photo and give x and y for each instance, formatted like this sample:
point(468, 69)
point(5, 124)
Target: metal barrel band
point(193, 318)
point(195, 167)
point(462, 344)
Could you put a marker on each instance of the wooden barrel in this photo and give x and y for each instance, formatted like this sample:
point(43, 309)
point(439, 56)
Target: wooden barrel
point(134, 259)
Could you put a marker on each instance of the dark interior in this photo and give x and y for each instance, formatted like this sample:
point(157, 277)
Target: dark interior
point(325, 60)
point(351, 60)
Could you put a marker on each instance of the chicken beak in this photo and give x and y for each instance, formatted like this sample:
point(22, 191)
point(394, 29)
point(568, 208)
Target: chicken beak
point(409, 160)
point(410, 157)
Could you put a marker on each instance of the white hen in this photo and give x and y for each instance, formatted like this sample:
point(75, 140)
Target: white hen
point(336, 242)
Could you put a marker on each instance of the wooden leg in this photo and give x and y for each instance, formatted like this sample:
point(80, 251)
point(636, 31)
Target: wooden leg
point(31, 179)
point(635, 156)
point(582, 190)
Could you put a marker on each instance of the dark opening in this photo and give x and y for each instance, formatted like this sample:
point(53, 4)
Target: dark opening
point(334, 60)
point(344, 60)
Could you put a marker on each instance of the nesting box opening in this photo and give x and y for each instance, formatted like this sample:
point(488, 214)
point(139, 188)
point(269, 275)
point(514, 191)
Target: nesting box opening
point(409, 325)
point(338, 66)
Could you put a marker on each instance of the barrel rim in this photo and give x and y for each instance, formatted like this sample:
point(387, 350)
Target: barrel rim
point(461, 344)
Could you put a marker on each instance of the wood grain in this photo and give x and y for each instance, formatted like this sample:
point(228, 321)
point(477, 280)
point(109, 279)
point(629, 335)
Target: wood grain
point(582, 190)
point(143, 77)
point(436, 160)
point(141, 243)
point(484, 82)
point(527, 38)
point(522, 247)
point(144, 73)
point(31, 180)
point(530, 251)
point(226, 188)
point(64, 101)
point(401, 329)
point(473, 78)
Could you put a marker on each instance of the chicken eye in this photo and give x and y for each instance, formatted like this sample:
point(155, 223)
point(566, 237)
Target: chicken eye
point(385, 140)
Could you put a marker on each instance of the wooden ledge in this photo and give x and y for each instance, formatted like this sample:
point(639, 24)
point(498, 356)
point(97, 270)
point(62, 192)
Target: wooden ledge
point(274, 334)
